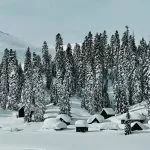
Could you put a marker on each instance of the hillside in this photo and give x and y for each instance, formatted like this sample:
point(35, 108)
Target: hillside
point(11, 42)
point(76, 111)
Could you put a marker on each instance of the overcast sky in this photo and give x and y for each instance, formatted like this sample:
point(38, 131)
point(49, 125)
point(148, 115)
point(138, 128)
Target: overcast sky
point(39, 20)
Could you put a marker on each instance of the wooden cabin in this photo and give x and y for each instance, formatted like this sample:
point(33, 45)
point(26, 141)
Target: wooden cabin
point(107, 112)
point(138, 126)
point(97, 118)
point(81, 126)
point(64, 118)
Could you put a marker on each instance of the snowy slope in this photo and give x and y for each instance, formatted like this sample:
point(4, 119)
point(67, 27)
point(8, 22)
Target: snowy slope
point(11, 42)
point(76, 111)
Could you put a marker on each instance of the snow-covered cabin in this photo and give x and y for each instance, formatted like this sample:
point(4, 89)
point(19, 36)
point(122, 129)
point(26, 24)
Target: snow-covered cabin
point(81, 126)
point(21, 112)
point(107, 112)
point(138, 126)
point(134, 117)
point(64, 118)
point(60, 126)
point(97, 118)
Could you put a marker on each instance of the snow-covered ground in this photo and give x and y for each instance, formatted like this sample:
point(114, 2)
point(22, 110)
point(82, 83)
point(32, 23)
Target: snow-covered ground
point(15, 135)
point(70, 140)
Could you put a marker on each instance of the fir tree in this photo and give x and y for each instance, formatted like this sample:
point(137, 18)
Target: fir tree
point(13, 99)
point(4, 80)
point(82, 72)
point(60, 66)
point(47, 70)
point(89, 80)
point(98, 73)
point(38, 90)
point(21, 81)
point(27, 91)
point(77, 67)
point(70, 67)
point(65, 101)
point(122, 75)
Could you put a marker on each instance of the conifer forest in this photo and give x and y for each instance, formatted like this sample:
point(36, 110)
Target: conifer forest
point(84, 70)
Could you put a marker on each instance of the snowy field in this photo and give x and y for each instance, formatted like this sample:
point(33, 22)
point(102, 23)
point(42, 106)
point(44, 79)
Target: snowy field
point(31, 138)
point(15, 135)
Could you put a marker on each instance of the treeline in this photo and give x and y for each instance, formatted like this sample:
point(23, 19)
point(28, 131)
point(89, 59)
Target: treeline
point(83, 71)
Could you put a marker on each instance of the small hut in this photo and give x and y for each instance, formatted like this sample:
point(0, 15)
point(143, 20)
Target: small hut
point(64, 118)
point(81, 126)
point(97, 118)
point(107, 112)
point(21, 113)
point(59, 125)
point(138, 126)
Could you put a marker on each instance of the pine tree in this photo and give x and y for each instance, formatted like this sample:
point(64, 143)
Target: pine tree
point(60, 66)
point(122, 75)
point(27, 91)
point(72, 70)
point(77, 67)
point(65, 101)
point(21, 81)
point(27, 62)
point(89, 80)
point(115, 46)
point(131, 82)
point(142, 70)
point(38, 89)
point(13, 100)
point(47, 70)
point(98, 73)
point(4, 80)
point(105, 102)
point(82, 73)
point(89, 91)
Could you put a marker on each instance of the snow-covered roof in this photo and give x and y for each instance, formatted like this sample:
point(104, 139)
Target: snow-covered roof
point(65, 117)
point(81, 123)
point(144, 127)
point(109, 126)
point(60, 125)
point(109, 111)
point(135, 116)
point(99, 117)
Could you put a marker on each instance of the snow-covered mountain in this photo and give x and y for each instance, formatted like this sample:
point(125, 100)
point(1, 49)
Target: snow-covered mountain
point(11, 42)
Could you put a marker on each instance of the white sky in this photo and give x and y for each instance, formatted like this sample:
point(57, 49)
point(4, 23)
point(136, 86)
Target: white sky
point(39, 20)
